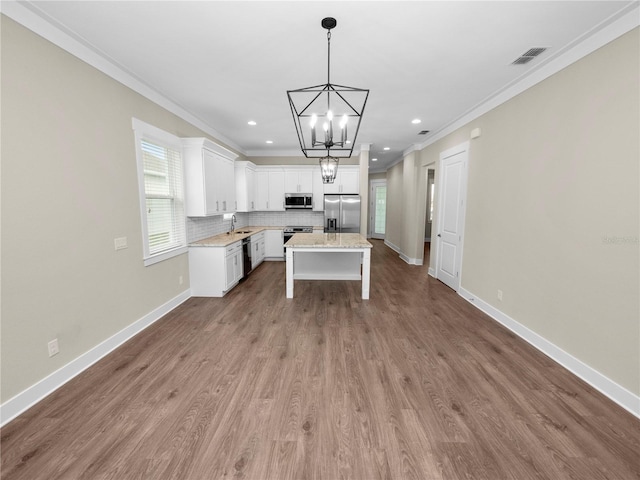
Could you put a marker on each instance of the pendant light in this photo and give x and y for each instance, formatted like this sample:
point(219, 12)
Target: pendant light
point(324, 116)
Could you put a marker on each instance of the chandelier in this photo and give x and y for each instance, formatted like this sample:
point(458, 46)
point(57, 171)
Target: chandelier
point(325, 114)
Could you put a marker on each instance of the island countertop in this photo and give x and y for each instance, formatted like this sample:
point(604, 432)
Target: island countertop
point(328, 240)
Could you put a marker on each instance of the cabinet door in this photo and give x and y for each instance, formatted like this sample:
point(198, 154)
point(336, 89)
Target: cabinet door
point(349, 181)
point(251, 193)
point(228, 180)
point(291, 184)
point(255, 254)
point(244, 187)
point(276, 190)
point(262, 190)
point(239, 270)
point(230, 270)
point(305, 181)
point(211, 175)
point(333, 187)
point(274, 243)
point(318, 191)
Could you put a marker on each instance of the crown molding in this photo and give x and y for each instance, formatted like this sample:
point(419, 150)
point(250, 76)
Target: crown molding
point(35, 20)
point(608, 30)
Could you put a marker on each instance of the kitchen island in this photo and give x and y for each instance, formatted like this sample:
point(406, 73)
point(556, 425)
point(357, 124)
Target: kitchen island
point(328, 256)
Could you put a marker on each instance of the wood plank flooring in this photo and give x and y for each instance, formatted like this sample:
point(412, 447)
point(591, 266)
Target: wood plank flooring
point(413, 384)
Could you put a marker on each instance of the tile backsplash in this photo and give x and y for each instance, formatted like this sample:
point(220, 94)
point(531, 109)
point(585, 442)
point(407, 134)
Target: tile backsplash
point(203, 227)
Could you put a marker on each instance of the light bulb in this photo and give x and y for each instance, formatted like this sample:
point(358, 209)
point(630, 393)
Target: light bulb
point(314, 119)
point(344, 121)
point(325, 126)
point(329, 115)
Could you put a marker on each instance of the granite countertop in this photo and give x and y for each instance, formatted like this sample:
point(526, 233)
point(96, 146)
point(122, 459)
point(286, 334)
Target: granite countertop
point(224, 239)
point(328, 240)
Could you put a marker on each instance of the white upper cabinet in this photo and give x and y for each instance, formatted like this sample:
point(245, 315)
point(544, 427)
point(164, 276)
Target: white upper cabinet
point(347, 180)
point(318, 191)
point(245, 186)
point(209, 178)
point(269, 191)
point(298, 180)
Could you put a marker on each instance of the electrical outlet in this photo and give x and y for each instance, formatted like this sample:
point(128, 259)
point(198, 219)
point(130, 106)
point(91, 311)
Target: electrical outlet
point(500, 295)
point(180, 280)
point(53, 347)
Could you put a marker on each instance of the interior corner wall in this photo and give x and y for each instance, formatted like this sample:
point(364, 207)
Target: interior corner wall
point(364, 192)
point(412, 243)
point(553, 209)
point(394, 215)
point(69, 187)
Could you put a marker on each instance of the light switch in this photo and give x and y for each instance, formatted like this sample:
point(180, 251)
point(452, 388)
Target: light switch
point(120, 243)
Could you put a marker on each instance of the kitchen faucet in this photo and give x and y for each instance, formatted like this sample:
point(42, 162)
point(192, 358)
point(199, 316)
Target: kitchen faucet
point(233, 219)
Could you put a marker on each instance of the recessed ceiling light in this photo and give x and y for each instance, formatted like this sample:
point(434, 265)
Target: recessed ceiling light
point(386, 148)
point(416, 121)
point(269, 141)
point(374, 159)
point(251, 122)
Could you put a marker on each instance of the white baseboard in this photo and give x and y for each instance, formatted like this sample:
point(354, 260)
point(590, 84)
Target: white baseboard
point(393, 247)
point(409, 260)
point(32, 395)
point(432, 272)
point(623, 397)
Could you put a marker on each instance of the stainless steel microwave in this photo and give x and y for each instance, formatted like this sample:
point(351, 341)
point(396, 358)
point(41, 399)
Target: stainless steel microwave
point(297, 200)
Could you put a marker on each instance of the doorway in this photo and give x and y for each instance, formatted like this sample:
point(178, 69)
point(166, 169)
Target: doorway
point(378, 208)
point(428, 221)
point(451, 211)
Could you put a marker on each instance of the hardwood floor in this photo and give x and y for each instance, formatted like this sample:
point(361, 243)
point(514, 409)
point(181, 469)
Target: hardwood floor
point(415, 383)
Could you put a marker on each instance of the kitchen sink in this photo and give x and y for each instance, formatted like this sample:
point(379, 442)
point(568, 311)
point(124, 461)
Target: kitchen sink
point(243, 231)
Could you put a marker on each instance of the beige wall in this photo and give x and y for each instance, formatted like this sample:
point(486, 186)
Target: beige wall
point(553, 209)
point(69, 187)
point(378, 176)
point(395, 219)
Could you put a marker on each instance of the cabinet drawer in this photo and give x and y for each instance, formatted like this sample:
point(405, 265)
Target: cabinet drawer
point(233, 248)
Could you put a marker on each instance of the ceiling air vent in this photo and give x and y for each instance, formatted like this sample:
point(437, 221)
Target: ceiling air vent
point(423, 132)
point(529, 55)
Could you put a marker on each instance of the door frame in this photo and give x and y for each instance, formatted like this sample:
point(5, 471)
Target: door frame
point(462, 148)
point(372, 211)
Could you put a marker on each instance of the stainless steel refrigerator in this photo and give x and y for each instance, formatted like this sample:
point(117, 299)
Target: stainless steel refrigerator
point(342, 213)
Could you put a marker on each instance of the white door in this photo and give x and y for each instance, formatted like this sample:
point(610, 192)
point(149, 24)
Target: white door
point(453, 174)
point(378, 208)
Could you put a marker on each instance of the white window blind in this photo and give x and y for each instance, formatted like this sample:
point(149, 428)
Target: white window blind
point(161, 193)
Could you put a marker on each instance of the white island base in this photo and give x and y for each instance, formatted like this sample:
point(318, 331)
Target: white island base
point(328, 256)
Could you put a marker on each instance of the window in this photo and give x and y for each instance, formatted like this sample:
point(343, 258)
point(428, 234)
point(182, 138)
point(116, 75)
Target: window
point(160, 180)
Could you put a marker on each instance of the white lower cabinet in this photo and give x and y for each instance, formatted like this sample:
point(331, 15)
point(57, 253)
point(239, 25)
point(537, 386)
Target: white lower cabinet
point(257, 249)
point(233, 266)
point(213, 271)
point(274, 244)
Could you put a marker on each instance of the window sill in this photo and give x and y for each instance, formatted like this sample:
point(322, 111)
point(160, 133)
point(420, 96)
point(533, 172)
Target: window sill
point(159, 257)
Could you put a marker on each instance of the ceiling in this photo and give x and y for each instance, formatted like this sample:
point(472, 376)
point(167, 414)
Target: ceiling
point(229, 62)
